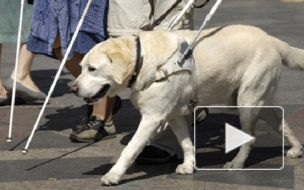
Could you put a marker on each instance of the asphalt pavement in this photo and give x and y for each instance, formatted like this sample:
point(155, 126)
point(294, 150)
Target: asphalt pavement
point(53, 162)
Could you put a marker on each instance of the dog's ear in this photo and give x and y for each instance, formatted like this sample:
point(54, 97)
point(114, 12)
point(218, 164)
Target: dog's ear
point(120, 68)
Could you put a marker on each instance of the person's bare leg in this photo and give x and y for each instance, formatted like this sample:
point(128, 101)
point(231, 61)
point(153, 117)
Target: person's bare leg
point(3, 91)
point(24, 68)
point(72, 65)
point(103, 109)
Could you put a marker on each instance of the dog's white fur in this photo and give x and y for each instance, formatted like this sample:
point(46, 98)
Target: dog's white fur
point(236, 65)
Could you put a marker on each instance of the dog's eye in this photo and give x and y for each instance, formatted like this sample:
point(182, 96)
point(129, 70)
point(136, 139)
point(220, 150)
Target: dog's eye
point(91, 69)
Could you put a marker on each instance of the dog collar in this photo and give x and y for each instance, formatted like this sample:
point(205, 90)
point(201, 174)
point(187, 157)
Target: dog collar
point(138, 63)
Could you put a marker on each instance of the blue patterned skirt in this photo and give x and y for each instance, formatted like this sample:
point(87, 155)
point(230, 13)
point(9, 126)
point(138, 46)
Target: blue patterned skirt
point(53, 16)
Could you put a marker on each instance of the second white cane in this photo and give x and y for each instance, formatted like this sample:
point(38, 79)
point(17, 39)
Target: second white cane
point(25, 150)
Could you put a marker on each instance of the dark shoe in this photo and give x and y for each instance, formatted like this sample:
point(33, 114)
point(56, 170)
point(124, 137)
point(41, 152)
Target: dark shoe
point(154, 155)
point(23, 90)
point(8, 101)
point(94, 130)
point(85, 120)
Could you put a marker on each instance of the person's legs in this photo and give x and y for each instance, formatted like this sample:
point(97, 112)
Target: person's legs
point(5, 96)
point(3, 91)
point(164, 145)
point(24, 67)
point(162, 148)
point(72, 65)
point(25, 84)
point(104, 108)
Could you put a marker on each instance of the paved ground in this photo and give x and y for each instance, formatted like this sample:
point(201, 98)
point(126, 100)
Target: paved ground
point(53, 162)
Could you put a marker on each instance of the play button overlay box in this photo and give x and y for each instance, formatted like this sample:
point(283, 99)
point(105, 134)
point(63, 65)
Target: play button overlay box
point(218, 138)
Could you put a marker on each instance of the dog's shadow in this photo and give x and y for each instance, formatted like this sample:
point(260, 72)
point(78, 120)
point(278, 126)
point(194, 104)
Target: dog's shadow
point(138, 172)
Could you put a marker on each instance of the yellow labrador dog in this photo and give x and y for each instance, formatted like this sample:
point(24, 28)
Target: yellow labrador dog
point(235, 65)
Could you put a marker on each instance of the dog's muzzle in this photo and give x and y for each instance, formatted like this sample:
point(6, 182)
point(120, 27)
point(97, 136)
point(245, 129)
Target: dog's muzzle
point(100, 94)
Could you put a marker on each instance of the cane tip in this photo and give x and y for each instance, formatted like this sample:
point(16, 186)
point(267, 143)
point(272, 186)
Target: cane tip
point(9, 140)
point(24, 151)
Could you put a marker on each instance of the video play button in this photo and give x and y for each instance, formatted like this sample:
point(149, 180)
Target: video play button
point(235, 138)
point(214, 146)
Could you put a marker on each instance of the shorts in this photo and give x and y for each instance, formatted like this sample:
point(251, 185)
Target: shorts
point(131, 17)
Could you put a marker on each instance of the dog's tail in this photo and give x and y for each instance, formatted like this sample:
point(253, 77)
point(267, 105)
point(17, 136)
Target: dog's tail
point(292, 57)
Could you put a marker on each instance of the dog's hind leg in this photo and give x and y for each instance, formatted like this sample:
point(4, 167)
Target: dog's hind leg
point(270, 116)
point(181, 130)
point(248, 119)
point(145, 130)
point(255, 89)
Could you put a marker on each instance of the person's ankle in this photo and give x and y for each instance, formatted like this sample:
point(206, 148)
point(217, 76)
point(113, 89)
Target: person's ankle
point(102, 117)
point(4, 93)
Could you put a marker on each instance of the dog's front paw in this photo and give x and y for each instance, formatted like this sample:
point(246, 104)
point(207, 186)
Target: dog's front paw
point(294, 152)
point(185, 169)
point(233, 165)
point(110, 179)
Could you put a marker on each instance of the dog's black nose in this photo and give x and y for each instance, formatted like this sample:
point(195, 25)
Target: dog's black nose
point(74, 88)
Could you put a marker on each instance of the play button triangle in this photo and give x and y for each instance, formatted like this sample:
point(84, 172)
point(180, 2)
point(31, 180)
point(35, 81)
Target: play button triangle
point(235, 138)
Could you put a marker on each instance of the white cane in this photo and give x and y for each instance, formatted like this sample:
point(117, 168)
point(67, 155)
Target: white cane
point(25, 150)
point(180, 15)
point(9, 136)
point(207, 19)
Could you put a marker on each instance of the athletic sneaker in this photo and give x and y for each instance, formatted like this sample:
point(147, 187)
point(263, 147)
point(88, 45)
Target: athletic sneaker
point(94, 130)
point(85, 120)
